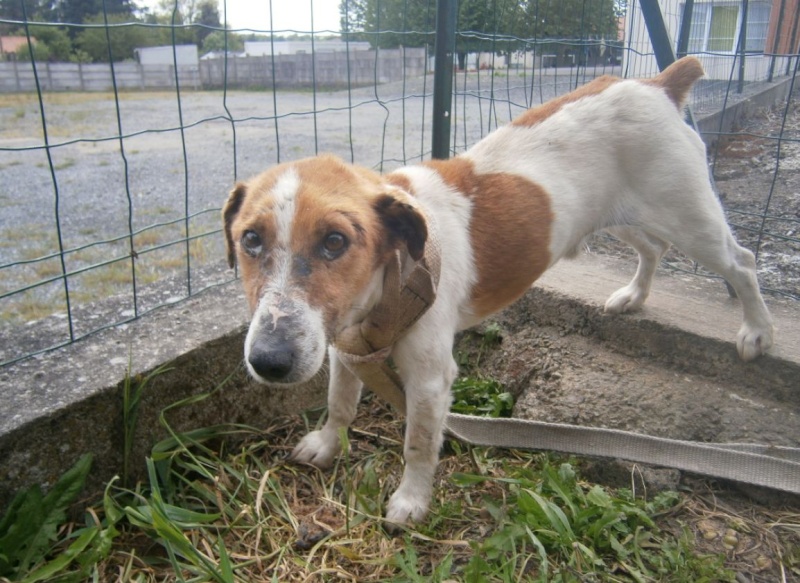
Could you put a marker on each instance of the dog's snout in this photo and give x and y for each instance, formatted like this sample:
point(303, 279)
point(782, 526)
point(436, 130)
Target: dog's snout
point(271, 363)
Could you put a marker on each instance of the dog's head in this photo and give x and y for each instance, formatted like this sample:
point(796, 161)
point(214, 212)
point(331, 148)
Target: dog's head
point(311, 239)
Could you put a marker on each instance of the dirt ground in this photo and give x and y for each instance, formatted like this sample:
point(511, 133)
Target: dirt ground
point(567, 377)
point(576, 379)
point(757, 175)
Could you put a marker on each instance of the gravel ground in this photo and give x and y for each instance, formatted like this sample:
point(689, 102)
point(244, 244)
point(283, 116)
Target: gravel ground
point(107, 186)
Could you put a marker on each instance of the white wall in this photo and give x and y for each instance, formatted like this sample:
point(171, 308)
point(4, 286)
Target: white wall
point(185, 55)
point(641, 62)
point(291, 47)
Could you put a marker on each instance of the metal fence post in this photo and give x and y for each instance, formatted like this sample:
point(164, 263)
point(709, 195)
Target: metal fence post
point(443, 76)
point(775, 42)
point(792, 43)
point(742, 47)
point(686, 28)
point(657, 29)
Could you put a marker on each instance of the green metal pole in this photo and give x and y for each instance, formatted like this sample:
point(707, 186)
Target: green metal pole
point(742, 47)
point(686, 27)
point(446, 11)
point(657, 29)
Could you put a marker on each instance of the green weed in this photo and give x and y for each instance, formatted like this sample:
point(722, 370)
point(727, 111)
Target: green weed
point(481, 396)
point(132, 389)
point(31, 523)
point(576, 530)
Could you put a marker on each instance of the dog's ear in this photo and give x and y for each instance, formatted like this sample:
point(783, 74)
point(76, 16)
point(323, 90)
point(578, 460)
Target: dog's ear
point(229, 211)
point(403, 222)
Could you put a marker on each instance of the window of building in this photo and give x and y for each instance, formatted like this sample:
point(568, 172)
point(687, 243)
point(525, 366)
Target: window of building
point(715, 26)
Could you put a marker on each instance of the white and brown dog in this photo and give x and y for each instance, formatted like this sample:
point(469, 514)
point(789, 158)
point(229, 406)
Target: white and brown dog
point(313, 237)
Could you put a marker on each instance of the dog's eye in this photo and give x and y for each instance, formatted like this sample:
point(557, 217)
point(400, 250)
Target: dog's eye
point(251, 243)
point(334, 245)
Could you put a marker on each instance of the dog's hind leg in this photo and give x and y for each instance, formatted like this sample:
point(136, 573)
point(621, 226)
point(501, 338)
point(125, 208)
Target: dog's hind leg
point(698, 228)
point(320, 447)
point(738, 266)
point(651, 249)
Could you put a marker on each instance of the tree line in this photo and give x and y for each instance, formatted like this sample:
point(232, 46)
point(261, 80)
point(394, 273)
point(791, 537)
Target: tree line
point(503, 24)
point(100, 30)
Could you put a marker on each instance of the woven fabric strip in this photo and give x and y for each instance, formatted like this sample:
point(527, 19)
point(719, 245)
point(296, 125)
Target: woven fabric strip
point(774, 467)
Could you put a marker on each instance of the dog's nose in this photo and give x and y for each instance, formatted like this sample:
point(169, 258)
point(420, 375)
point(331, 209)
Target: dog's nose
point(272, 364)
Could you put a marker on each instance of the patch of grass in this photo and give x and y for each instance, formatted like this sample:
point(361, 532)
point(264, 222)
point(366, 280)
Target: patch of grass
point(65, 164)
point(87, 99)
point(104, 280)
point(481, 396)
point(222, 504)
point(49, 268)
point(202, 250)
point(153, 237)
point(561, 529)
point(100, 282)
point(38, 240)
point(32, 522)
point(32, 305)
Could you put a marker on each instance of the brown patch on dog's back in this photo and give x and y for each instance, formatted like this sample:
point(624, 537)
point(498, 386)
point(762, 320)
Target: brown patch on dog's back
point(458, 173)
point(510, 258)
point(537, 115)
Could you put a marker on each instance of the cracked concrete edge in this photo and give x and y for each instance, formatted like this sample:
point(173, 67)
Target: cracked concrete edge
point(69, 402)
point(688, 322)
point(62, 404)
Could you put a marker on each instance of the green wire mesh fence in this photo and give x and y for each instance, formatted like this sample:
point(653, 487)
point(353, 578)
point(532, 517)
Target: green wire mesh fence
point(120, 135)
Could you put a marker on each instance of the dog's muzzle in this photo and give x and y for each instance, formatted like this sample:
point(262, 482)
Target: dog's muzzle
point(285, 344)
point(272, 358)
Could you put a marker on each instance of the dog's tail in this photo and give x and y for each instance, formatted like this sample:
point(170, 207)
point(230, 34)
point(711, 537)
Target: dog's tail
point(677, 79)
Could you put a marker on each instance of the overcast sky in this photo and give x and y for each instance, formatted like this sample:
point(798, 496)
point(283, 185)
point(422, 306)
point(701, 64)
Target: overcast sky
point(287, 14)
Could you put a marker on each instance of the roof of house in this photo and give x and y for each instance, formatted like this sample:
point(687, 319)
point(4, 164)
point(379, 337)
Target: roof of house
point(10, 44)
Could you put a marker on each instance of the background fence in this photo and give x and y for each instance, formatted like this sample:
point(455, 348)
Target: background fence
point(328, 70)
point(109, 200)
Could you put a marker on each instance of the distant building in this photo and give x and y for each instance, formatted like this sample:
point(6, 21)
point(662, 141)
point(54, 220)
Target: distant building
point(293, 47)
point(9, 45)
point(714, 33)
point(220, 55)
point(184, 55)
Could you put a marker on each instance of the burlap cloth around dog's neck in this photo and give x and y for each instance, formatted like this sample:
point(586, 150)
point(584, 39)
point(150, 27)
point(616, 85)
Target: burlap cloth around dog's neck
point(365, 346)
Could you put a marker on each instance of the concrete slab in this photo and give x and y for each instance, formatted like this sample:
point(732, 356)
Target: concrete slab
point(695, 304)
point(61, 404)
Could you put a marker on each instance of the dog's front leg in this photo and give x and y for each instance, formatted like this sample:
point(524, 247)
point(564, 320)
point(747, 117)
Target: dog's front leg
point(344, 390)
point(427, 376)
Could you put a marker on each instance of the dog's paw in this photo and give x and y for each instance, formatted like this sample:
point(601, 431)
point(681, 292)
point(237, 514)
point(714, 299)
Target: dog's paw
point(626, 299)
point(405, 508)
point(318, 448)
point(752, 341)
